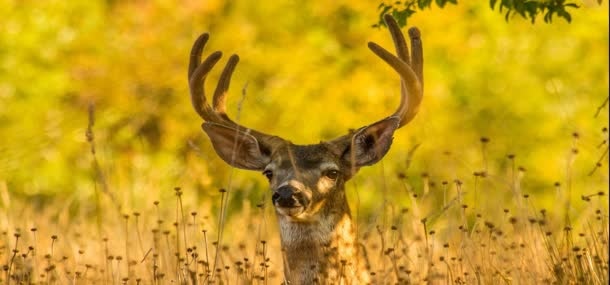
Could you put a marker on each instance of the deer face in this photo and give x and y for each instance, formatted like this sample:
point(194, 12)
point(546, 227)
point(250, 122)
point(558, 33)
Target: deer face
point(302, 178)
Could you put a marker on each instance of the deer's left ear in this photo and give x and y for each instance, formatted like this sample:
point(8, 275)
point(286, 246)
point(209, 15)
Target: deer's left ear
point(237, 148)
point(369, 144)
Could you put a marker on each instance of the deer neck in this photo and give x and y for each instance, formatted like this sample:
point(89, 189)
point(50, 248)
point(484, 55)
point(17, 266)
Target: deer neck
point(323, 249)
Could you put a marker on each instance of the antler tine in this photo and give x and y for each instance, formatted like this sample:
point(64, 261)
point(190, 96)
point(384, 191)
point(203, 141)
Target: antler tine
point(399, 39)
point(197, 74)
point(417, 66)
point(403, 53)
point(220, 94)
point(410, 71)
point(195, 58)
point(417, 54)
point(196, 83)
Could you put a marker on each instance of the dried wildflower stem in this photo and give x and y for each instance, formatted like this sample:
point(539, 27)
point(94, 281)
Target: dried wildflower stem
point(127, 249)
point(207, 257)
point(598, 164)
point(484, 141)
point(601, 106)
point(569, 165)
point(196, 255)
point(10, 267)
point(183, 223)
point(177, 267)
point(223, 206)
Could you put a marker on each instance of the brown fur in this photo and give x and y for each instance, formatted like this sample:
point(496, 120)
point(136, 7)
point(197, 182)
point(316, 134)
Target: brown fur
point(308, 182)
point(319, 244)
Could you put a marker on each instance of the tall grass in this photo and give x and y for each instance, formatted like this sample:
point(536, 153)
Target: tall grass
point(452, 232)
point(485, 228)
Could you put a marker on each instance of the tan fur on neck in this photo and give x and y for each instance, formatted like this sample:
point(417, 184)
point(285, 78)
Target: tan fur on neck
point(322, 251)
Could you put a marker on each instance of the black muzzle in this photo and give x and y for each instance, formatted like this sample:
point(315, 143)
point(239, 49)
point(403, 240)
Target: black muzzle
point(288, 197)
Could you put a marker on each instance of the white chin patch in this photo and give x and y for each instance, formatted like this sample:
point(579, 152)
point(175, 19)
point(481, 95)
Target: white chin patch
point(290, 212)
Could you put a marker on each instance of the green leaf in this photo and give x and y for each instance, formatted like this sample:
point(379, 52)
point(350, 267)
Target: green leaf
point(402, 16)
point(421, 4)
point(564, 14)
point(492, 3)
point(385, 10)
point(548, 17)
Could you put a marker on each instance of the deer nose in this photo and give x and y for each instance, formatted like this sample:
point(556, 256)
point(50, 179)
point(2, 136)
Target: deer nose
point(284, 196)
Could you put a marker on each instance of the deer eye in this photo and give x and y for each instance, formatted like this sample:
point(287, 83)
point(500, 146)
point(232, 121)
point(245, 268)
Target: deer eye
point(331, 174)
point(268, 174)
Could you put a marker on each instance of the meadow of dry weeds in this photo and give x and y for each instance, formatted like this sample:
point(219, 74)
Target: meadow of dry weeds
point(427, 231)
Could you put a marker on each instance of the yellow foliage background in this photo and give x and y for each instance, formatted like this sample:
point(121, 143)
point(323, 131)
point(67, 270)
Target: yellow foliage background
point(308, 75)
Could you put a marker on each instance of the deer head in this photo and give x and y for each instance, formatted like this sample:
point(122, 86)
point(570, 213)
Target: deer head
point(307, 181)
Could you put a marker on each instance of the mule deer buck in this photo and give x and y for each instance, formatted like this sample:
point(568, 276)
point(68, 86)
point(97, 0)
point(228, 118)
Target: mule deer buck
point(318, 235)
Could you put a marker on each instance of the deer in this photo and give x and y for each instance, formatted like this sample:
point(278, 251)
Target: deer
point(317, 233)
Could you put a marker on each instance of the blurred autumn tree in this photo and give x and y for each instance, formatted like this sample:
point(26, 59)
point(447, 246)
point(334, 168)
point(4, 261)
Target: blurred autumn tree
point(528, 9)
point(309, 76)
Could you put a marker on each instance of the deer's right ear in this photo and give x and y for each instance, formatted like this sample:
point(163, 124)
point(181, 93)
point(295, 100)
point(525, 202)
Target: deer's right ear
point(235, 147)
point(371, 143)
